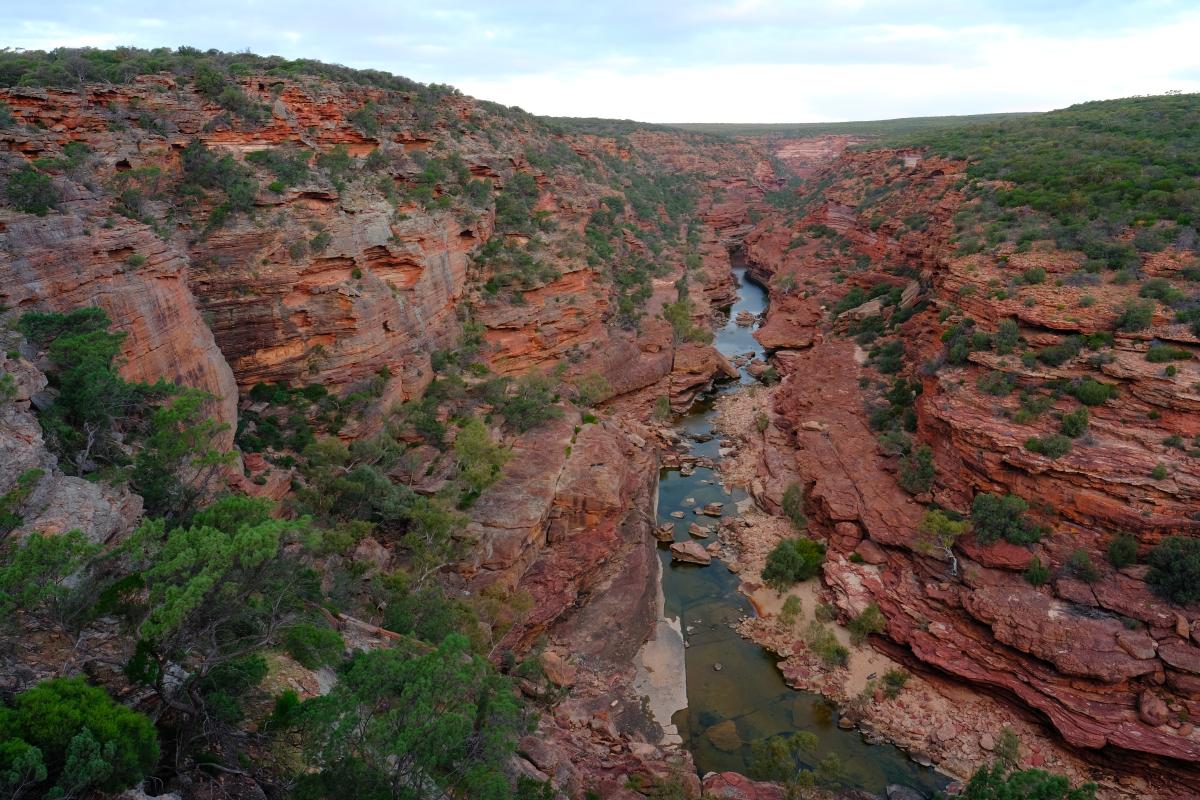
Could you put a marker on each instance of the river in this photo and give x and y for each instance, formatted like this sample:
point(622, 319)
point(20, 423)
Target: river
point(702, 602)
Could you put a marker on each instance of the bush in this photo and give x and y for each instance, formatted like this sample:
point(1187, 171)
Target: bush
point(791, 609)
point(1092, 392)
point(996, 383)
point(1122, 550)
point(822, 642)
point(793, 506)
point(593, 388)
point(791, 561)
point(1175, 569)
point(1054, 446)
point(1161, 353)
point(917, 472)
point(1080, 565)
point(1034, 275)
point(1161, 289)
point(1074, 423)
point(997, 783)
point(314, 647)
point(997, 516)
point(1135, 316)
point(870, 621)
point(31, 191)
point(1007, 336)
point(893, 682)
point(69, 738)
point(1037, 573)
point(1160, 472)
point(940, 530)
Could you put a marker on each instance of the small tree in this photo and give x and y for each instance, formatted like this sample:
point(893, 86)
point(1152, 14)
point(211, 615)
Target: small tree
point(917, 472)
point(593, 388)
point(870, 621)
point(1175, 569)
point(31, 191)
point(792, 560)
point(997, 516)
point(63, 738)
point(793, 506)
point(1122, 550)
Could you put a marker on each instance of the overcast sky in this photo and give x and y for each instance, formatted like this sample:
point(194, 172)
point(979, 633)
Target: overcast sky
point(688, 60)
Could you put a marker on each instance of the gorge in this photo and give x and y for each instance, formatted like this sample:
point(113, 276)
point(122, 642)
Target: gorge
point(492, 366)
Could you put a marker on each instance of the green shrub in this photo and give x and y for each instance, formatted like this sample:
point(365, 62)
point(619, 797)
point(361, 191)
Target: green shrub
point(31, 191)
point(1074, 423)
point(314, 647)
point(893, 682)
point(1122, 550)
point(793, 506)
point(996, 383)
point(998, 783)
point(593, 388)
point(1053, 446)
point(1175, 569)
point(1161, 353)
point(1037, 573)
point(791, 609)
point(916, 471)
point(1092, 392)
point(1160, 472)
point(792, 560)
point(1135, 316)
point(68, 738)
point(995, 516)
point(1034, 275)
point(870, 621)
point(1080, 565)
point(824, 644)
point(1161, 289)
point(1008, 335)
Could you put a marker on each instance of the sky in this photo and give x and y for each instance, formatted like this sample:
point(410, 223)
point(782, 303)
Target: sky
point(681, 61)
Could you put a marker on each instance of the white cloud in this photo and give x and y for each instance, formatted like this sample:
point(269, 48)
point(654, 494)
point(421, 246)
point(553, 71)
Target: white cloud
point(1010, 70)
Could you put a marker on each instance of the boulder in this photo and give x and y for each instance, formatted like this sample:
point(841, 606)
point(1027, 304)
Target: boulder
point(1152, 710)
point(690, 552)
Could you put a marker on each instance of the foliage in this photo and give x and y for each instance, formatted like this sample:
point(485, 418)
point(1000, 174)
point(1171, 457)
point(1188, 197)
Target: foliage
point(31, 191)
point(1175, 569)
point(1080, 565)
point(411, 723)
point(791, 561)
point(80, 425)
point(480, 459)
point(1135, 315)
point(1052, 446)
point(12, 500)
point(998, 783)
point(790, 610)
point(314, 647)
point(204, 170)
point(1161, 353)
point(821, 641)
point(894, 681)
point(71, 739)
point(1074, 423)
point(34, 571)
point(1091, 392)
point(593, 388)
point(917, 471)
point(785, 760)
point(1123, 550)
point(793, 505)
point(995, 516)
point(1127, 161)
point(869, 621)
point(528, 402)
point(938, 529)
point(175, 467)
point(1037, 573)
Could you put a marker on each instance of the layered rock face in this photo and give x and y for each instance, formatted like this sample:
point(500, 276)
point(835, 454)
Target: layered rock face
point(336, 282)
point(1110, 665)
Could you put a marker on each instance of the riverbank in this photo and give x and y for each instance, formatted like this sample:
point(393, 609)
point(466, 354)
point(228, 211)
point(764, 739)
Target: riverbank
point(935, 720)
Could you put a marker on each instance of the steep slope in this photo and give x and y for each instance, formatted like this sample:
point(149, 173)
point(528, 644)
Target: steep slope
point(910, 359)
